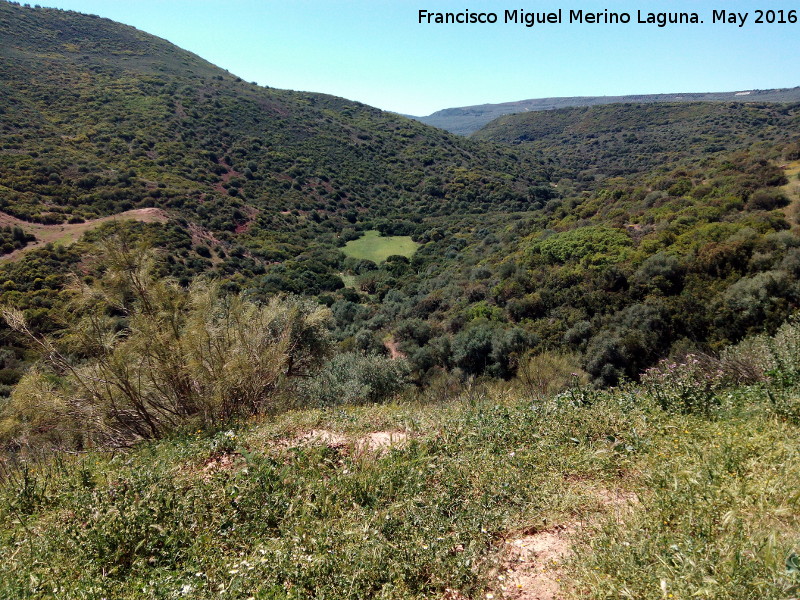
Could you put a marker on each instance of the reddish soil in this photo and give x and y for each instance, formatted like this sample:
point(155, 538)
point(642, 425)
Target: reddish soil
point(251, 213)
point(226, 177)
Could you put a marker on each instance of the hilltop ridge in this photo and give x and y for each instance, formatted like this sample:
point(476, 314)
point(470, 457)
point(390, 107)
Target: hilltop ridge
point(465, 120)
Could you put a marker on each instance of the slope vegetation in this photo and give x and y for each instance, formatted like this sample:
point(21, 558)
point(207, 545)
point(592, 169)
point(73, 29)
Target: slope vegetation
point(174, 424)
point(481, 494)
point(468, 119)
point(100, 118)
point(622, 233)
point(621, 139)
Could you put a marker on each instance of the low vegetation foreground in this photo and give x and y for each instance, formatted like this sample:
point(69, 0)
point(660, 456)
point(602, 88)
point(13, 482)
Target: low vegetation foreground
point(609, 494)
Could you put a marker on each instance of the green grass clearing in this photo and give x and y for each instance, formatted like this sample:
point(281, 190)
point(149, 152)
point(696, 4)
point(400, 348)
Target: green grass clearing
point(372, 246)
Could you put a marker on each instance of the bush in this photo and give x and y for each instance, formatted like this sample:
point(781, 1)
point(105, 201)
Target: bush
point(181, 355)
point(776, 357)
point(549, 373)
point(767, 200)
point(661, 272)
point(688, 386)
point(760, 301)
point(353, 378)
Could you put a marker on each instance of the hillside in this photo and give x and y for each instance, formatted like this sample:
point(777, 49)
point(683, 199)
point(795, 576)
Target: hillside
point(256, 343)
point(102, 118)
point(468, 119)
point(542, 238)
point(620, 139)
point(473, 493)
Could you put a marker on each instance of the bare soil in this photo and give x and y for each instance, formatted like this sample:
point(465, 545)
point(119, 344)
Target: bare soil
point(533, 567)
point(376, 441)
point(394, 349)
point(67, 233)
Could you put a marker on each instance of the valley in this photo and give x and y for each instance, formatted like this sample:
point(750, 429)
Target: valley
point(260, 343)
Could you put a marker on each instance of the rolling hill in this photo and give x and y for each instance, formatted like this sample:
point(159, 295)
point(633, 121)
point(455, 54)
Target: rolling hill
point(619, 139)
point(468, 119)
point(536, 234)
point(99, 118)
point(266, 344)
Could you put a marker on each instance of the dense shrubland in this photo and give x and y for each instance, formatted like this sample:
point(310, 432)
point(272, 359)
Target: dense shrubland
point(596, 142)
point(673, 238)
point(662, 261)
point(688, 246)
point(141, 356)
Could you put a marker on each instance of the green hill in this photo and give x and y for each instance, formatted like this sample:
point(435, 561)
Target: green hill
point(477, 493)
point(620, 139)
point(543, 237)
point(578, 376)
point(466, 120)
point(100, 118)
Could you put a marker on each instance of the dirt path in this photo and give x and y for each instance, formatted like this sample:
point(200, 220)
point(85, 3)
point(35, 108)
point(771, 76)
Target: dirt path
point(70, 232)
point(394, 349)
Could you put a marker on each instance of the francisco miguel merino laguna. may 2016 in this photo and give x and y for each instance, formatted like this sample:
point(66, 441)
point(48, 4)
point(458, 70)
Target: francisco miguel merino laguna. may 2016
point(605, 17)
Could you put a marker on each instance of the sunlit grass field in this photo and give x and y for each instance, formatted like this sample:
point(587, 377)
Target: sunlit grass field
point(372, 246)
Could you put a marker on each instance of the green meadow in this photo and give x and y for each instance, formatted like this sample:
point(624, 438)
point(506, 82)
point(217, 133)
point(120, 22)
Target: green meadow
point(372, 246)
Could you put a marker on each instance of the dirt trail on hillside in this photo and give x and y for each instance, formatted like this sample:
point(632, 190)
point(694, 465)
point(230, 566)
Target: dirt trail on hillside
point(394, 349)
point(66, 233)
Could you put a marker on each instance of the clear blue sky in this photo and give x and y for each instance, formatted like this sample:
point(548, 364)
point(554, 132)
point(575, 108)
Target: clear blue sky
point(376, 52)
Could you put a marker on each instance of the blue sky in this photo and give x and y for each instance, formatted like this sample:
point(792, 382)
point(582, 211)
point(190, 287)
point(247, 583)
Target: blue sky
point(376, 52)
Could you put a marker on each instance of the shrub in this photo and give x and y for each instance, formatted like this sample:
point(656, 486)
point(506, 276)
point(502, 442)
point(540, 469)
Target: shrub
point(757, 301)
point(775, 357)
point(593, 246)
point(546, 374)
point(688, 386)
point(661, 272)
point(353, 378)
point(176, 355)
point(767, 200)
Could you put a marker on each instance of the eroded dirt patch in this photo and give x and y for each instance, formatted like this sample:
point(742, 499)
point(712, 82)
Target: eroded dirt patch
point(394, 349)
point(533, 567)
point(375, 441)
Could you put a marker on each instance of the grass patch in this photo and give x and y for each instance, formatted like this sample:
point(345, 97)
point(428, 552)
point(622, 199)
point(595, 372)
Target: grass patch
point(792, 189)
point(251, 512)
point(372, 246)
